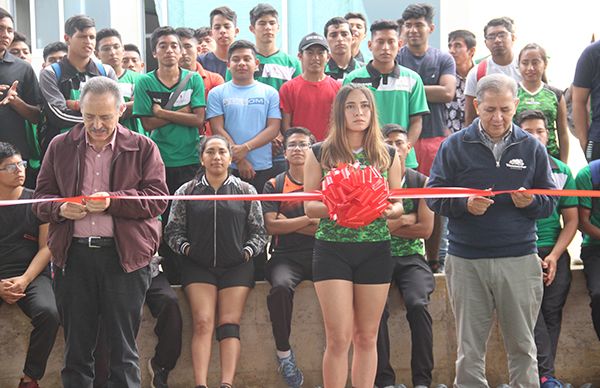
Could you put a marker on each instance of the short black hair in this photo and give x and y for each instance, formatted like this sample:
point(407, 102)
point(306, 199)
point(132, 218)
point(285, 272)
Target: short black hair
point(78, 23)
point(132, 47)
point(239, 45)
point(335, 21)
point(356, 15)
point(388, 129)
point(201, 32)
point(298, 130)
point(54, 47)
point(5, 14)
point(504, 21)
point(19, 37)
point(417, 11)
point(261, 10)
point(186, 32)
point(384, 24)
point(531, 114)
point(106, 33)
point(467, 36)
point(7, 150)
point(160, 32)
point(226, 12)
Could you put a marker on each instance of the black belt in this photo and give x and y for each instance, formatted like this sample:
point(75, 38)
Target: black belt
point(95, 242)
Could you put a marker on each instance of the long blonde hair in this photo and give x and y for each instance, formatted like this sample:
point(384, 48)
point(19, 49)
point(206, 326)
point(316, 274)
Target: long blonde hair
point(336, 147)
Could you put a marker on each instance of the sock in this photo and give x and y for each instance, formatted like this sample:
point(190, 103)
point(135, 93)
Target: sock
point(285, 354)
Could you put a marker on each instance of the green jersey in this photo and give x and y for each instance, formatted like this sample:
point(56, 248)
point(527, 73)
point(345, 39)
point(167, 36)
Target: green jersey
point(330, 230)
point(546, 99)
point(274, 70)
point(549, 228)
point(398, 95)
point(401, 246)
point(178, 144)
point(127, 85)
point(584, 182)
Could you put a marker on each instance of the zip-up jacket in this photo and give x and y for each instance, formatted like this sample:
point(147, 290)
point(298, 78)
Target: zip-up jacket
point(136, 170)
point(217, 232)
point(504, 230)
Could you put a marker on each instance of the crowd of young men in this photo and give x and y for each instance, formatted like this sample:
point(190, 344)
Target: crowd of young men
point(272, 106)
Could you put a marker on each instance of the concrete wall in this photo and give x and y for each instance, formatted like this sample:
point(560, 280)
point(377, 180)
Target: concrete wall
point(577, 359)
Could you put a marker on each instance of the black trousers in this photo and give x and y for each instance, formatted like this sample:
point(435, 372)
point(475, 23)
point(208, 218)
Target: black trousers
point(163, 304)
point(91, 290)
point(285, 273)
point(176, 176)
point(591, 268)
point(547, 327)
point(40, 307)
point(415, 281)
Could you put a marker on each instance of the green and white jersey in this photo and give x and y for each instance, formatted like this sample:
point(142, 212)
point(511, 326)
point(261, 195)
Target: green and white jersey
point(398, 95)
point(275, 70)
point(401, 246)
point(126, 86)
point(546, 99)
point(549, 228)
point(178, 144)
point(377, 230)
point(584, 182)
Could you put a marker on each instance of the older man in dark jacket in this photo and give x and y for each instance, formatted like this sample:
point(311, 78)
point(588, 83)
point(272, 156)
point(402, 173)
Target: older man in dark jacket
point(101, 247)
point(492, 261)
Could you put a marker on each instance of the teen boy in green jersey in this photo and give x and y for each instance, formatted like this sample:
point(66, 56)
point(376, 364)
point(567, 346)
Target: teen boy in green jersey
point(552, 243)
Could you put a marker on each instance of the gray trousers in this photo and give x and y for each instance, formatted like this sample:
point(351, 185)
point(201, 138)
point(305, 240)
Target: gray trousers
point(512, 286)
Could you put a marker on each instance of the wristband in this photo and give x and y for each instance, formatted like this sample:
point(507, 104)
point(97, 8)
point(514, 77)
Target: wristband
point(248, 147)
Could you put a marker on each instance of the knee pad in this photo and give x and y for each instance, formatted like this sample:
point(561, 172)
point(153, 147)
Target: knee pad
point(228, 330)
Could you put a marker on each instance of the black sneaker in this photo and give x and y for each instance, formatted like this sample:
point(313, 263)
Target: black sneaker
point(158, 376)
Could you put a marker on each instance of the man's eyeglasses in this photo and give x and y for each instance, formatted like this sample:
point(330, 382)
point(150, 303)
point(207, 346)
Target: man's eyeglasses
point(12, 168)
point(502, 35)
point(302, 146)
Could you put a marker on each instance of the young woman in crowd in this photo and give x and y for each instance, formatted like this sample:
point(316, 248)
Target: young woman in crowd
point(351, 267)
point(535, 93)
point(217, 240)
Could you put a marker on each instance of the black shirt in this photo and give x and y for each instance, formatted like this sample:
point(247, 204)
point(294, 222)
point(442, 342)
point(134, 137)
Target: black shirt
point(210, 62)
point(12, 125)
point(19, 231)
point(292, 242)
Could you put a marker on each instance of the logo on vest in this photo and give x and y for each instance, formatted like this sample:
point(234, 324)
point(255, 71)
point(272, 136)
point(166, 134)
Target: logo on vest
point(516, 164)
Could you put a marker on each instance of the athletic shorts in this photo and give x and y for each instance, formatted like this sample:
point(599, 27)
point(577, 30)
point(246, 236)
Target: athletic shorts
point(360, 263)
point(241, 275)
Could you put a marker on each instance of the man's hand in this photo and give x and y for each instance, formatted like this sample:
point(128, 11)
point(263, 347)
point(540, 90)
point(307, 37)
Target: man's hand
point(277, 144)
point(97, 205)
point(478, 205)
point(393, 211)
point(408, 219)
point(240, 151)
point(521, 200)
point(73, 211)
point(11, 93)
point(8, 295)
point(549, 268)
point(245, 169)
point(18, 284)
point(156, 110)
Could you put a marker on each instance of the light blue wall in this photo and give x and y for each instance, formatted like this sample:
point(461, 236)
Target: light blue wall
point(304, 16)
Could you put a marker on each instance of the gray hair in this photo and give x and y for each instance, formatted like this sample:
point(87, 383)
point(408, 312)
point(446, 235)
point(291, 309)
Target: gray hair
point(495, 83)
point(102, 85)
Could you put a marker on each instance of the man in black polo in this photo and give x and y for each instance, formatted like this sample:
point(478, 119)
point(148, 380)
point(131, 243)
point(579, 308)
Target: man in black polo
point(61, 84)
point(19, 93)
point(339, 37)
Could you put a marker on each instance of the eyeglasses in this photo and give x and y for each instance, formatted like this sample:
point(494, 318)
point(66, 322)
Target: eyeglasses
point(302, 146)
point(502, 35)
point(12, 168)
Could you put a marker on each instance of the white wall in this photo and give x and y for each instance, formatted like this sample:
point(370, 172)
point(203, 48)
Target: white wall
point(563, 28)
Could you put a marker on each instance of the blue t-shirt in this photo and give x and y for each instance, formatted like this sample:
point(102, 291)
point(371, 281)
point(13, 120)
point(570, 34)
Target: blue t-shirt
point(587, 75)
point(246, 110)
point(431, 67)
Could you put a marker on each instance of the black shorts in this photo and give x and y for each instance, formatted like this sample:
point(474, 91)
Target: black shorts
point(241, 275)
point(360, 263)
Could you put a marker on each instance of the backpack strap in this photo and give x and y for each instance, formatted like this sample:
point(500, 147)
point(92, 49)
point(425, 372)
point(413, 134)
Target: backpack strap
point(178, 91)
point(57, 70)
point(101, 68)
point(482, 69)
point(595, 171)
